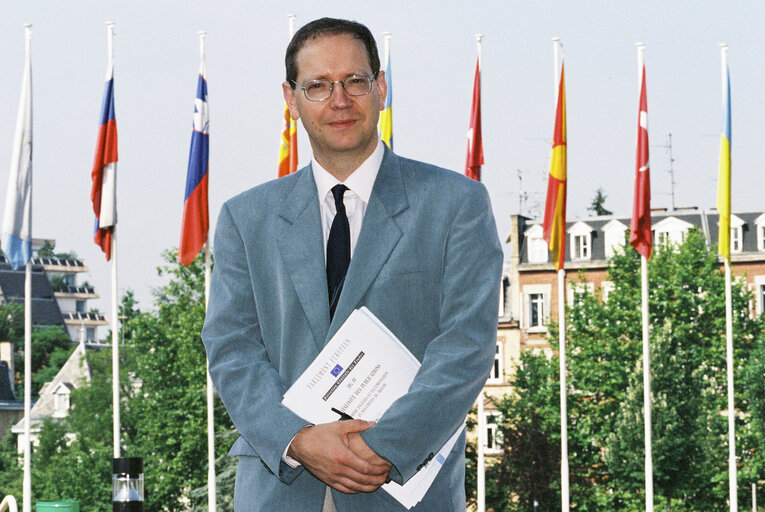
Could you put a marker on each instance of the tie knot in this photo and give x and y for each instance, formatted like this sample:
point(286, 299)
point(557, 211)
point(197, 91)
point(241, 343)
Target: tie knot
point(337, 193)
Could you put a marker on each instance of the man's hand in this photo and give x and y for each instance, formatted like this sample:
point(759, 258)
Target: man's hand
point(362, 449)
point(325, 451)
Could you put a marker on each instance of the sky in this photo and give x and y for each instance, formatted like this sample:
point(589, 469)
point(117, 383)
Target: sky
point(433, 53)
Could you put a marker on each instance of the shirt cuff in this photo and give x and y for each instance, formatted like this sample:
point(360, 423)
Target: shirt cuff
point(287, 459)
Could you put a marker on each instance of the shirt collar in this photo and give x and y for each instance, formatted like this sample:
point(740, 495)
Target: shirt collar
point(360, 181)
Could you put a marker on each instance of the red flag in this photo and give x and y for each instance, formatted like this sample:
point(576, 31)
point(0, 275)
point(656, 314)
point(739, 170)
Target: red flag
point(474, 142)
point(555, 205)
point(640, 227)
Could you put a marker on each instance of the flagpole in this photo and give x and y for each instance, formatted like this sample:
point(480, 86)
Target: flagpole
point(647, 423)
point(732, 477)
point(114, 296)
point(732, 470)
point(481, 462)
point(564, 471)
point(481, 473)
point(27, 484)
point(211, 484)
point(27, 480)
point(387, 36)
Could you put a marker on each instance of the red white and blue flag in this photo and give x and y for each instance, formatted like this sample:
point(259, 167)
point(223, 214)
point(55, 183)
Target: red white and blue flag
point(104, 173)
point(196, 219)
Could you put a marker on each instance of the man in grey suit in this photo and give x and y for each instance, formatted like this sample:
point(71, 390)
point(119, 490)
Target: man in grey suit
point(359, 226)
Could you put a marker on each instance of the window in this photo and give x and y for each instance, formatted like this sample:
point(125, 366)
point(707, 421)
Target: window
point(671, 231)
point(493, 436)
point(581, 247)
point(79, 306)
point(735, 239)
point(536, 302)
point(496, 373)
point(761, 237)
point(759, 294)
point(60, 402)
point(581, 241)
point(90, 333)
point(536, 310)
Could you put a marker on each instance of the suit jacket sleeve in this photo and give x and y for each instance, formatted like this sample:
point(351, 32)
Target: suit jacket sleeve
point(457, 361)
point(246, 380)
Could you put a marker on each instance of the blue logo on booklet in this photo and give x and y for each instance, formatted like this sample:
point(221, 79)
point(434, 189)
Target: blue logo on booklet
point(336, 370)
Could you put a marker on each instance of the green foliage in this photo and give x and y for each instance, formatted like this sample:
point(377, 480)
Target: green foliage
point(57, 282)
point(597, 206)
point(529, 467)
point(46, 251)
point(605, 391)
point(163, 412)
point(169, 412)
point(51, 348)
point(12, 322)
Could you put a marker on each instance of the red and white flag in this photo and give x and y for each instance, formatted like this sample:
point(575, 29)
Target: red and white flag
point(640, 227)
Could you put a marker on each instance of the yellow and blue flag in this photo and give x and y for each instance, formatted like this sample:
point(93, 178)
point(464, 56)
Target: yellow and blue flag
point(386, 116)
point(723, 181)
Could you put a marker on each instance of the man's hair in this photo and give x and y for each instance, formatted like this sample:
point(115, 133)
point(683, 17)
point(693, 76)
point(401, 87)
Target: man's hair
point(329, 27)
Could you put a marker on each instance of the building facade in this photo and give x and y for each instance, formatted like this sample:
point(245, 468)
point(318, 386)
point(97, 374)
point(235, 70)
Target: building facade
point(591, 241)
point(57, 297)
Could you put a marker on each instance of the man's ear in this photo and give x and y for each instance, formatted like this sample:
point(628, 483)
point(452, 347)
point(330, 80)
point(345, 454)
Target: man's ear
point(289, 97)
point(382, 88)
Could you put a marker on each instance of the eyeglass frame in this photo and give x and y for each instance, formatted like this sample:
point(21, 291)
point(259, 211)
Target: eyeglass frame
point(372, 80)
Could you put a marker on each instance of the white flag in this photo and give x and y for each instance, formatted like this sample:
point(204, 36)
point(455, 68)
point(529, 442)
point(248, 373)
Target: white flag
point(17, 221)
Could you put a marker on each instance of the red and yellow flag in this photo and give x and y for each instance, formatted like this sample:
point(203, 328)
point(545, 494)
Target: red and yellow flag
point(555, 205)
point(288, 150)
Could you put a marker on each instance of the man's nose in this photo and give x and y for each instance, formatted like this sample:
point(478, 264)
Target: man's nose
point(339, 98)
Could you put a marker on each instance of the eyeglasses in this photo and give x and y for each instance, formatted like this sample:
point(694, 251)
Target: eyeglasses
point(320, 90)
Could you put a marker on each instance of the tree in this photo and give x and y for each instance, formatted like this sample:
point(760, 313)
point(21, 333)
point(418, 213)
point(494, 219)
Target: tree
point(163, 410)
point(688, 351)
point(529, 431)
point(168, 413)
point(597, 206)
point(605, 399)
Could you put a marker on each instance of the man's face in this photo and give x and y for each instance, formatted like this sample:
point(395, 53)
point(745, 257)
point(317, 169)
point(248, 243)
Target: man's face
point(341, 128)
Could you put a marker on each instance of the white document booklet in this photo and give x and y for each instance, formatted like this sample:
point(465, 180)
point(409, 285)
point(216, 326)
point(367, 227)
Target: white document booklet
point(361, 371)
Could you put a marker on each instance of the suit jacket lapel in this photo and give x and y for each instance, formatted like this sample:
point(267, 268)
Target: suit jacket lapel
point(379, 235)
point(301, 245)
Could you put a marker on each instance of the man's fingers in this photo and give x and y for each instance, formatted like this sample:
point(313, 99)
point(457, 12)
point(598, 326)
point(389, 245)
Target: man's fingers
point(360, 448)
point(323, 450)
point(355, 425)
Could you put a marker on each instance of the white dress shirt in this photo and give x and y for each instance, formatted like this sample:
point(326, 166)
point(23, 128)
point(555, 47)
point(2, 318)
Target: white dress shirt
point(355, 199)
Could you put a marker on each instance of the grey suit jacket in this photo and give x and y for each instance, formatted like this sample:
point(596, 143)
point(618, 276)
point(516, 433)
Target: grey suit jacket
point(427, 263)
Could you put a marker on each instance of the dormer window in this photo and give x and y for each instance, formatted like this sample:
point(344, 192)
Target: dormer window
point(613, 235)
point(537, 247)
point(736, 234)
point(61, 400)
point(760, 226)
point(671, 231)
point(581, 241)
point(735, 239)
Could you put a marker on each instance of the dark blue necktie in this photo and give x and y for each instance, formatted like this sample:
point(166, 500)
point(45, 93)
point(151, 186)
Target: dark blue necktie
point(338, 249)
